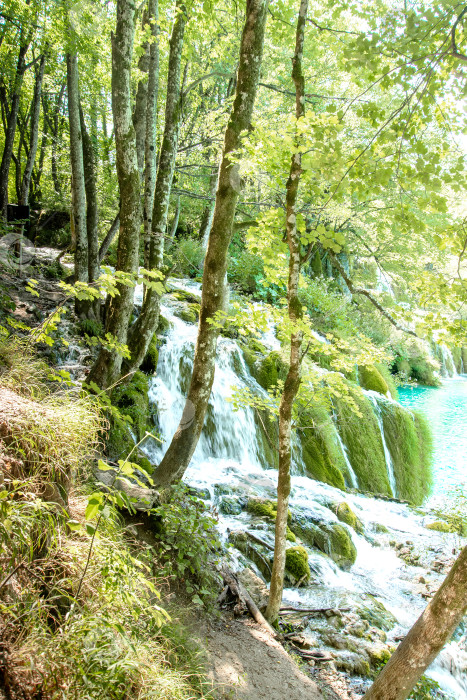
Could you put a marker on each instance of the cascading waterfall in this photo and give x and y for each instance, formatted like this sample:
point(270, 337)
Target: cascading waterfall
point(228, 460)
point(448, 366)
point(375, 399)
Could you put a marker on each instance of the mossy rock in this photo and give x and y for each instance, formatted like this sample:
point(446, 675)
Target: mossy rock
point(410, 443)
point(457, 357)
point(229, 505)
point(183, 295)
point(440, 526)
point(331, 538)
point(149, 364)
point(264, 508)
point(464, 358)
point(346, 515)
point(371, 378)
point(189, 313)
point(132, 400)
point(321, 455)
point(377, 615)
point(362, 436)
point(296, 563)
point(381, 529)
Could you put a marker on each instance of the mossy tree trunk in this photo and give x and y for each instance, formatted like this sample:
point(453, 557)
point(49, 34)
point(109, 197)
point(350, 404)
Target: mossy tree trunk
point(106, 369)
point(143, 329)
point(92, 210)
point(180, 451)
point(292, 382)
point(426, 638)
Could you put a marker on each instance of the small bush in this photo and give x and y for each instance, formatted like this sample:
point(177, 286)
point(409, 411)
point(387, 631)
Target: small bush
point(246, 271)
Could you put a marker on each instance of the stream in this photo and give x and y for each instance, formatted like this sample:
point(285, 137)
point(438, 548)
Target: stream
point(227, 460)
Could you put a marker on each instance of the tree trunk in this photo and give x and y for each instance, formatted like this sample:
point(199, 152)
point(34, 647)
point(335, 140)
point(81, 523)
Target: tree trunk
point(292, 382)
point(184, 441)
point(11, 126)
point(110, 235)
point(139, 112)
point(143, 329)
point(106, 369)
point(92, 212)
point(420, 647)
point(34, 140)
point(150, 153)
point(208, 213)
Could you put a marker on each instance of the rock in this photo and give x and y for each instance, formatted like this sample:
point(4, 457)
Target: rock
point(260, 556)
point(229, 505)
point(346, 515)
point(352, 662)
point(329, 537)
point(378, 527)
point(377, 615)
point(296, 564)
point(202, 494)
point(141, 498)
point(255, 587)
point(189, 313)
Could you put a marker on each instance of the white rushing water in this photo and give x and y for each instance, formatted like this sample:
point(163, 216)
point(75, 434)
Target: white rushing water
point(375, 399)
point(229, 455)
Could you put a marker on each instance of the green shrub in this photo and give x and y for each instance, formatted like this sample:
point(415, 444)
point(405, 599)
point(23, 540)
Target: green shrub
point(188, 257)
point(245, 272)
point(90, 327)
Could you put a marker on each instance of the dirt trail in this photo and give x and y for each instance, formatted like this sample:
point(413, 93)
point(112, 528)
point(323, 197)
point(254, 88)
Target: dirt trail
point(246, 663)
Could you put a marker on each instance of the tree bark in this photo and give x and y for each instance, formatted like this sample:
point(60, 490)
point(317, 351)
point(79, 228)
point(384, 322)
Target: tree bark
point(292, 382)
point(11, 123)
point(180, 451)
point(106, 369)
point(420, 647)
point(208, 213)
point(143, 329)
point(150, 152)
point(110, 235)
point(77, 178)
point(34, 139)
point(92, 212)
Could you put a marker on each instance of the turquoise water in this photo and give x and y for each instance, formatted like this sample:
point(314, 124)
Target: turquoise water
point(445, 408)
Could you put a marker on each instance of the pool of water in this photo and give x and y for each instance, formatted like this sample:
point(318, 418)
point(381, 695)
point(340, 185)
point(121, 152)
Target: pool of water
point(445, 407)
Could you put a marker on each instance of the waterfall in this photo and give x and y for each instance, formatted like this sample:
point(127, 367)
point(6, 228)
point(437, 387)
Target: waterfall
point(345, 452)
point(448, 366)
point(375, 398)
point(228, 461)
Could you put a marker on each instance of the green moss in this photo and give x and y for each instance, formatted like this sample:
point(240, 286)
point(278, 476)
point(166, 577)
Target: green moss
point(189, 313)
point(132, 400)
point(464, 358)
point(371, 378)
point(296, 563)
point(346, 515)
point(270, 370)
point(149, 364)
point(322, 458)
point(388, 378)
point(183, 295)
point(409, 440)
point(329, 537)
point(378, 527)
point(377, 615)
point(163, 325)
point(440, 526)
point(263, 508)
point(362, 437)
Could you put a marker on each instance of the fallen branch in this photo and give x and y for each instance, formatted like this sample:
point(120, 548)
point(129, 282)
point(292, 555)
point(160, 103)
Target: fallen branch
point(238, 590)
point(260, 541)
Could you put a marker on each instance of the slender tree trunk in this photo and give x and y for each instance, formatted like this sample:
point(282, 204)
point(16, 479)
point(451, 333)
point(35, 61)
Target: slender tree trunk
point(111, 233)
point(174, 224)
point(292, 382)
point(143, 329)
point(150, 153)
point(184, 441)
point(78, 198)
point(208, 213)
point(106, 369)
point(139, 112)
point(11, 125)
point(92, 212)
point(34, 139)
point(420, 647)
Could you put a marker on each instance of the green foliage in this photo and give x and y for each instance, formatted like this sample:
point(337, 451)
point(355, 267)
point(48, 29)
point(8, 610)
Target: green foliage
point(412, 361)
point(90, 327)
point(54, 271)
point(246, 272)
point(371, 378)
point(427, 689)
point(272, 369)
point(189, 545)
point(188, 257)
